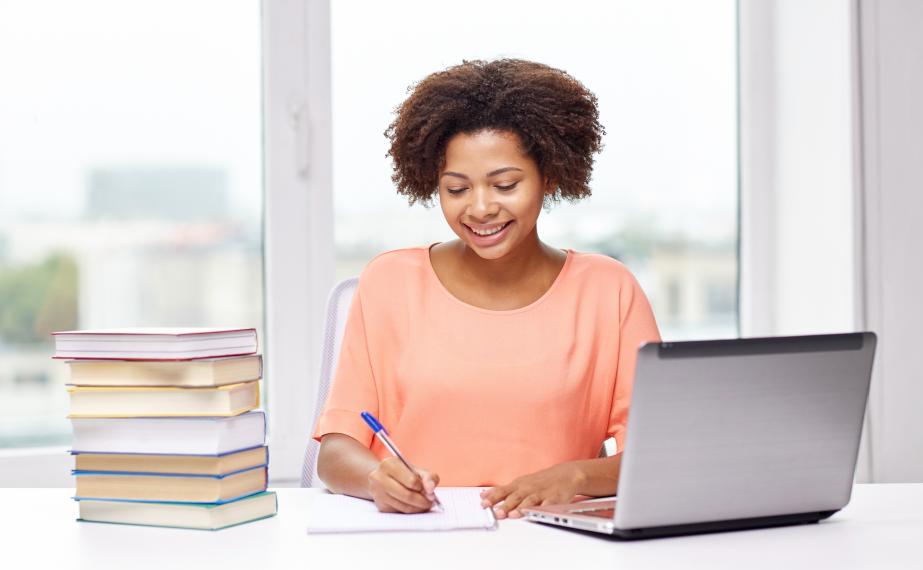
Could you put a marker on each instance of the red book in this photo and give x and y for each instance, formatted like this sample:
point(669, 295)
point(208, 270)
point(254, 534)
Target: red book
point(154, 343)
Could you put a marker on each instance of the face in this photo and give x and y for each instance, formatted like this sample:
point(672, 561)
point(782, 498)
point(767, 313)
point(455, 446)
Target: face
point(491, 192)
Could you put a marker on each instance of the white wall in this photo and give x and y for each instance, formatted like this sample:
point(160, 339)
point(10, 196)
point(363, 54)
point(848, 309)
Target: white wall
point(891, 161)
point(797, 254)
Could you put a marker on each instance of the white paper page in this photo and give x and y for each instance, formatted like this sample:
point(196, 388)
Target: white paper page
point(338, 513)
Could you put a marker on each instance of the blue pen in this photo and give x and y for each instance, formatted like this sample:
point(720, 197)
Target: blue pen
point(382, 434)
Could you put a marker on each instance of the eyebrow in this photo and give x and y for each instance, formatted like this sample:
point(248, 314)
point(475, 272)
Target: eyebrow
point(489, 174)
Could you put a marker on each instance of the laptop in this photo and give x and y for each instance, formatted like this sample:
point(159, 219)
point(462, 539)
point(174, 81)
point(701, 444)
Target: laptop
point(734, 434)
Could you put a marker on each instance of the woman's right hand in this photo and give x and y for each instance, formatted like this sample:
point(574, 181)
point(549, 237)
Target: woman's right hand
point(396, 490)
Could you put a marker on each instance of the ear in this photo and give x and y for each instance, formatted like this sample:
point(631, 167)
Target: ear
point(550, 186)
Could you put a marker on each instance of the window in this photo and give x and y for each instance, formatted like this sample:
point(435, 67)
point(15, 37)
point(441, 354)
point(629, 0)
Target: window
point(665, 186)
point(130, 182)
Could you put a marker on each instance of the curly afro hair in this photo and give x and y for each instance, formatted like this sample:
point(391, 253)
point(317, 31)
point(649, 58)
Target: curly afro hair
point(555, 117)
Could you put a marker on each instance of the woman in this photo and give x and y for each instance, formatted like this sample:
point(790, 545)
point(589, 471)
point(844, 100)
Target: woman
point(494, 359)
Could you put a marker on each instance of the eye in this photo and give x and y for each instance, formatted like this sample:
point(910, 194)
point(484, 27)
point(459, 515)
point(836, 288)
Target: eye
point(507, 187)
point(455, 190)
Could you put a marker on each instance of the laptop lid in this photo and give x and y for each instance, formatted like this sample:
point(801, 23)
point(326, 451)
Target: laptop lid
point(735, 429)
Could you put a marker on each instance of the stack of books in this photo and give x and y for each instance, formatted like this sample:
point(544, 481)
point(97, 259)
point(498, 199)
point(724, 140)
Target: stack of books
point(166, 431)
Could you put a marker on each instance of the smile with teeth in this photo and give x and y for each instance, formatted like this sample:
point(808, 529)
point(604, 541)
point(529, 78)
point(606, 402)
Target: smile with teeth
point(489, 231)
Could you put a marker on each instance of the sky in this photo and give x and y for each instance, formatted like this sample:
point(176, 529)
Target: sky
point(104, 83)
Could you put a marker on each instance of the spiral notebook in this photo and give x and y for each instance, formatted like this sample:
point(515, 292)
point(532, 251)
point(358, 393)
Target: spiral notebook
point(339, 513)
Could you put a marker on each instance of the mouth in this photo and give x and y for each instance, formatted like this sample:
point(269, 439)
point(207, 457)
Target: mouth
point(488, 235)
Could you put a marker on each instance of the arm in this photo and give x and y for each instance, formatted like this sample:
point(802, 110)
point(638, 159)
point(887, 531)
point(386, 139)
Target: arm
point(348, 467)
point(555, 485)
point(344, 465)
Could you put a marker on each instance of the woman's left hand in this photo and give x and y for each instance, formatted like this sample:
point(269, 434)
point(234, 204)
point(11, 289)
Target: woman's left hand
point(555, 485)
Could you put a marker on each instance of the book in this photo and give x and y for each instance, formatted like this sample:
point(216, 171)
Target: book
point(180, 515)
point(180, 373)
point(340, 513)
point(174, 436)
point(117, 402)
point(179, 488)
point(178, 464)
point(154, 343)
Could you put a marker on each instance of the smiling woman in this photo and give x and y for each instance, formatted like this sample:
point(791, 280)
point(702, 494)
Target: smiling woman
point(496, 328)
point(480, 206)
point(497, 141)
point(664, 186)
point(494, 211)
point(491, 193)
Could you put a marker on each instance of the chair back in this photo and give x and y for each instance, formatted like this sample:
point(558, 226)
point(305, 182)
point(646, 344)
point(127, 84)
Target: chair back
point(338, 303)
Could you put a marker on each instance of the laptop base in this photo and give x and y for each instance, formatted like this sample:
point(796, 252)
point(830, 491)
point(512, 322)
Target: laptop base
point(593, 527)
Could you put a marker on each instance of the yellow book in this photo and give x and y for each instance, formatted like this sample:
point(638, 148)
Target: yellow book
point(177, 464)
point(183, 373)
point(134, 402)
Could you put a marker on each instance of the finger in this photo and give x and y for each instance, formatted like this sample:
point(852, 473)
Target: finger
point(529, 501)
point(385, 488)
point(388, 504)
point(494, 495)
point(430, 482)
point(509, 503)
point(396, 469)
point(407, 496)
point(556, 500)
point(384, 505)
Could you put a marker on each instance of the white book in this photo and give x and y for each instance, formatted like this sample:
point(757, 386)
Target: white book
point(174, 436)
point(330, 512)
point(154, 343)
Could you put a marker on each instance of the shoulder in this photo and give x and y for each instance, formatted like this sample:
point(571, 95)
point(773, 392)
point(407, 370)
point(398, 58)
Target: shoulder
point(610, 284)
point(395, 264)
point(393, 274)
point(599, 267)
point(606, 279)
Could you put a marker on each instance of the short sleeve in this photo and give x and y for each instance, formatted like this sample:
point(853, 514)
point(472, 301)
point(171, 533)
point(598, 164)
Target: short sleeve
point(636, 326)
point(353, 390)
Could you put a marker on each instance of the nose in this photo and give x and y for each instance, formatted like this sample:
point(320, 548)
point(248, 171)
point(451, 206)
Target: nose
point(482, 206)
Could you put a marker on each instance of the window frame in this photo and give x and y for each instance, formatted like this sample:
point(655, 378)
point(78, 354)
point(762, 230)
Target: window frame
point(298, 221)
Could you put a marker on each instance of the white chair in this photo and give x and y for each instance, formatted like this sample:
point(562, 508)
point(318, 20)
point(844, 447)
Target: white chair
point(334, 324)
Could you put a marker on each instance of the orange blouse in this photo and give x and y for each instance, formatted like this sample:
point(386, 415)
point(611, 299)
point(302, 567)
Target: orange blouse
point(482, 396)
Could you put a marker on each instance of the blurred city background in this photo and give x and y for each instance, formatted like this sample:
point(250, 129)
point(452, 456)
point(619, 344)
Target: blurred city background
point(135, 198)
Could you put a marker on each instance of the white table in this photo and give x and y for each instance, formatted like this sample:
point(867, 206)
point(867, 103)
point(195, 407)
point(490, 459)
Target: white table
point(882, 528)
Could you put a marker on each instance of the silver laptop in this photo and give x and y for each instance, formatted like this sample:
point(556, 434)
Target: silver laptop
point(734, 434)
